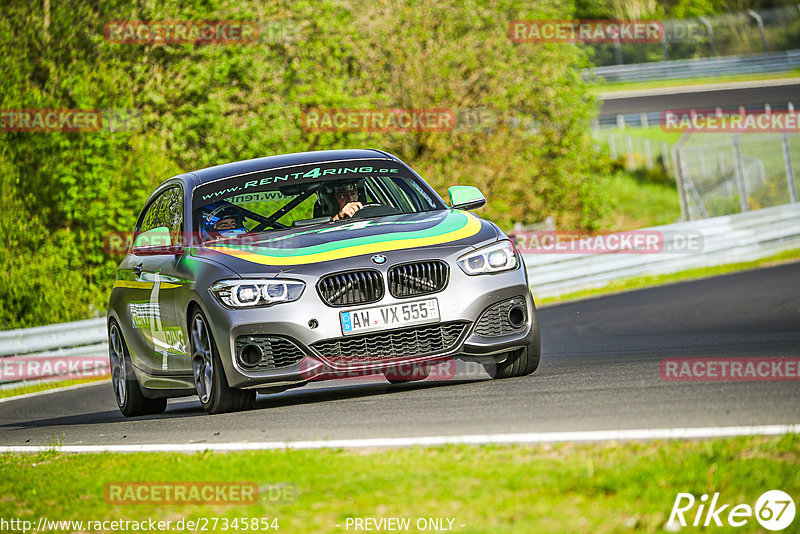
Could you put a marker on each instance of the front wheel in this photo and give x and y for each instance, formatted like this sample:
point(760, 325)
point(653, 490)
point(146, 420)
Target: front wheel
point(519, 362)
point(212, 387)
point(127, 391)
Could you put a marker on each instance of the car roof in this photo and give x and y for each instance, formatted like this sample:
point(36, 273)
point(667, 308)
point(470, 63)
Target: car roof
point(236, 168)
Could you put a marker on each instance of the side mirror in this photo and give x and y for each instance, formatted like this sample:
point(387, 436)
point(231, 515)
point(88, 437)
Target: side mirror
point(158, 251)
point(154, 242)
point(465, 197)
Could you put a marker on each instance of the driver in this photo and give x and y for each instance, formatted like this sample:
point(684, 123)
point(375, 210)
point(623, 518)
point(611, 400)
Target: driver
point(340, 199)
point(222, 220)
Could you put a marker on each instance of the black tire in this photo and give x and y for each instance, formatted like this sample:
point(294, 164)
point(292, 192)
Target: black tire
point(520, 362)
point(127, 390)
point(211, 385)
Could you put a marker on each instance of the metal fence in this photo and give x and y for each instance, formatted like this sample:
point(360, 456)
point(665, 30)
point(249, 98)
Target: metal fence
point(42, 353)
point(638, 151)
point(733, 238)
point(721, 174)
point(716, 172)
point(734, 34)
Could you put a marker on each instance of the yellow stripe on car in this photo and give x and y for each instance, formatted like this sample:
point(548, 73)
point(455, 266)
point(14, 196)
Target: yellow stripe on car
point(472, 227)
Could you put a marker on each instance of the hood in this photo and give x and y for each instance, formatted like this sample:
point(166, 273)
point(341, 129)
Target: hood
point(327, 242)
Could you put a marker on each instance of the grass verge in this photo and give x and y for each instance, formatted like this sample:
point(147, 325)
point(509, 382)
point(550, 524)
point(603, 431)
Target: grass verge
point(654, 133)
point(607, 487)
point(44, 386)
point(640, 282)
point(639, 204)
point(630, 86)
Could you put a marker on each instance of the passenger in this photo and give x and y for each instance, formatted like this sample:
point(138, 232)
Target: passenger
point(222, 220)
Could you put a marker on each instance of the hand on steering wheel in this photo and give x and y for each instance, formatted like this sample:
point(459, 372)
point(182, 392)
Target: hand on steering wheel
point(348, 210)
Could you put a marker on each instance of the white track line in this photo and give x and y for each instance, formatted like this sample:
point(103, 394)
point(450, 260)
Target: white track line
point(475, 439)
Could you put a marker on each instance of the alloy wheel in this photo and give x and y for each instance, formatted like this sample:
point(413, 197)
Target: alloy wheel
point(202, 359)
point(119, 376)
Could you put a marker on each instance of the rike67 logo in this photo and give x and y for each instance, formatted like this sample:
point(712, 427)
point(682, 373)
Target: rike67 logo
point(774, 510)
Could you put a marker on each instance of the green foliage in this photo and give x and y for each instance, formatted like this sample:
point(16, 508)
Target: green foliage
point(202, 105)
point(657, 175)
point(640, 200)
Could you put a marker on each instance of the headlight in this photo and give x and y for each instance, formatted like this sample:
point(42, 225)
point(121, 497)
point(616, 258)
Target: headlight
point(254, 293)
point(501, 256)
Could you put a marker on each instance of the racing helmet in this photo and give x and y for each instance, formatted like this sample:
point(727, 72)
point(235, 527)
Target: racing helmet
point(221, 220)
point(328, 192)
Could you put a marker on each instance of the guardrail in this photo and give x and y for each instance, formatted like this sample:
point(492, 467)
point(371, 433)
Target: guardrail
point(701, 67)
point(53, 352)
point(729, 239)
point(733, 238)
point(53, 337)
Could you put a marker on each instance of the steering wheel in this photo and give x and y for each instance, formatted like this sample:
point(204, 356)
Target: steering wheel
point(373, 209)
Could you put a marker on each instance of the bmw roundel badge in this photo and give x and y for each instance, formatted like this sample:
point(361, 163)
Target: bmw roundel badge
point(380, 259)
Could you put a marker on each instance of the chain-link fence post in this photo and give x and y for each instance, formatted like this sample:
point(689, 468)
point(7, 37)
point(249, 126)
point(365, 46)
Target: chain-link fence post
point(787, 162)
point(680, 172)
point(738, 166)
point(710, 31)
point(760, 23)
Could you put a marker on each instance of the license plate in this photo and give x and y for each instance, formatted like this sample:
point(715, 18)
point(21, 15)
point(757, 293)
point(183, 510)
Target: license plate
point(391, 316)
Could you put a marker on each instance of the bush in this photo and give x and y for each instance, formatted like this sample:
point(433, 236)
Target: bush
point(201, 105)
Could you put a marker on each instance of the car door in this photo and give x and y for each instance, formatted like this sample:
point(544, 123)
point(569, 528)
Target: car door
point(157, 249)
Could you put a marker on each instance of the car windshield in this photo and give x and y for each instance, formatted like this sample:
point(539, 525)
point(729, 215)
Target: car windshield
point(233, 207)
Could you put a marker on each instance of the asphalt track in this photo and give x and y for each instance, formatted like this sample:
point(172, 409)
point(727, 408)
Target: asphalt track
point(599, 371)
point(706, 98)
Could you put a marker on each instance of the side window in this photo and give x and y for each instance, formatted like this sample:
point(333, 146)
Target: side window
point(166, 211)
point(173, 213)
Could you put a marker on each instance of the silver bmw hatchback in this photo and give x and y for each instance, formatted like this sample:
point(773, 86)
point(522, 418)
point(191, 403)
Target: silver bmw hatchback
point(266, 274)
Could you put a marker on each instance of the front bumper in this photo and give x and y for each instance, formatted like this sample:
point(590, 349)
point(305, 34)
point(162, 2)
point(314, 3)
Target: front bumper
point(463, 301)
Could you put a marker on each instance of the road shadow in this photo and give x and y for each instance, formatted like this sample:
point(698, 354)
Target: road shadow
point(184, 407)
